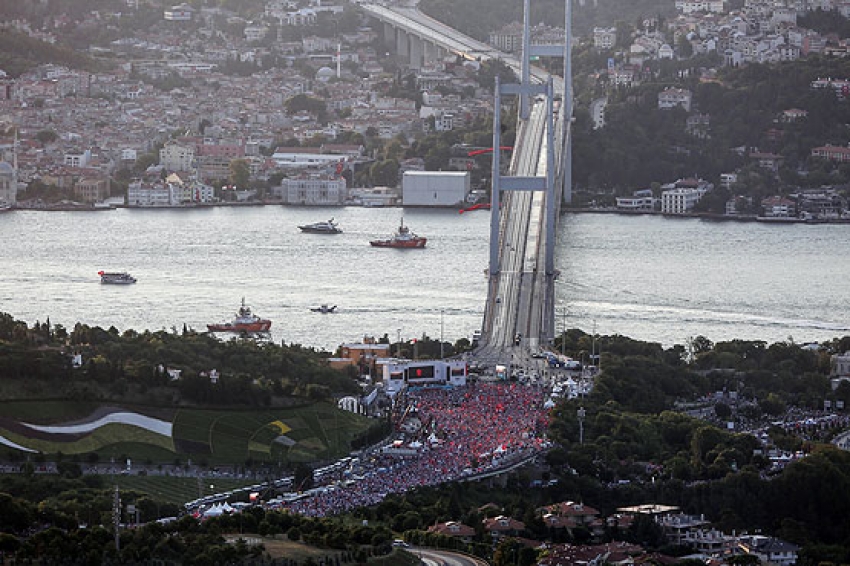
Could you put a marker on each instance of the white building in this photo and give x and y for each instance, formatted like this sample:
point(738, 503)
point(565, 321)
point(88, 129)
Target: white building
point(680, 201)
point(672, 97)
point(639, 201)
point(841, 365)
point(604, 38)
point(78, 158)
point(181, 13)
point(304, 158)
point(177, 157)
point(691, 6)
point(313, 190)
point(141, 193)
point(434, 188)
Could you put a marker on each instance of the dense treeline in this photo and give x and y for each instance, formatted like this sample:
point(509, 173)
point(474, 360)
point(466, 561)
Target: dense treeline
point(478, 19)
point(20, 53)
point(133, 366)
point(745, 108)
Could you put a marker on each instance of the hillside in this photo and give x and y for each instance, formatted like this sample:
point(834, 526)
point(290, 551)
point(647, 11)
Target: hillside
point(20, 53)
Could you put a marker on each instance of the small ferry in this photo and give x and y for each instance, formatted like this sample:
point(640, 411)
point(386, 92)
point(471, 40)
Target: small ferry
point(115, 278)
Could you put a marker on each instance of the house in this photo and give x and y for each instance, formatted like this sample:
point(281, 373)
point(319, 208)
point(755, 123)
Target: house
point(769, 161)
point(840, 366)
point(364, 355)
point(833, 153)
point(576, 513)
point(453, 529)
point(677, 526)
point(502, 526)
point(770, 550)
point(672, 97)
point(709, 541)
point(779, 207)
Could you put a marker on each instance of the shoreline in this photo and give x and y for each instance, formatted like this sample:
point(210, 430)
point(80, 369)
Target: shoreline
point(710, 216)
point(699, 216)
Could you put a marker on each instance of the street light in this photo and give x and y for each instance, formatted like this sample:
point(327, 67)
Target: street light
point(441, 334)
point(581, 414)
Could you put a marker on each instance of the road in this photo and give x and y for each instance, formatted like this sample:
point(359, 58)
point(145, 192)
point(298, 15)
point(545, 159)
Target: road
point(431, 557)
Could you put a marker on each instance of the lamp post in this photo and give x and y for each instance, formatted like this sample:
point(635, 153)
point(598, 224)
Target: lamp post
point(441, 334)
point(581, 414)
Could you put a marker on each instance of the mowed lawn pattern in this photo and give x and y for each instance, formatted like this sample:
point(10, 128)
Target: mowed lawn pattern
point(313, 432)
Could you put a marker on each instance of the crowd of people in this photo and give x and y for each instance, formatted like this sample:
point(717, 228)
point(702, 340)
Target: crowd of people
point(463, 432)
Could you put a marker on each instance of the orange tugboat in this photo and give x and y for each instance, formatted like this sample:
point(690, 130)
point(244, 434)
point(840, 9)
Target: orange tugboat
point(403, 238)
point(245, 321)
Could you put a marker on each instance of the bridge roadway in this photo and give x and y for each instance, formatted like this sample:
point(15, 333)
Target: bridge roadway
point(520, 301)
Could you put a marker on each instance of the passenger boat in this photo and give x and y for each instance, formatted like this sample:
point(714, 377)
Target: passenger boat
point(328, 227)
point(403, 238)
point(245, 321)
point(115, 278)
point(324, 309)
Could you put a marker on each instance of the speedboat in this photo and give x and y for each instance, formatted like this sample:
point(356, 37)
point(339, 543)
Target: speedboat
point(245, 321)
point(115, 278)
point(324, 309)
point(328, 227)
point(403, 238)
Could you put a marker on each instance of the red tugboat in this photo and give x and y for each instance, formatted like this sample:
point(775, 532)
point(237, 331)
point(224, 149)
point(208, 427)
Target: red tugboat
point(245, 321)
point(403, 238)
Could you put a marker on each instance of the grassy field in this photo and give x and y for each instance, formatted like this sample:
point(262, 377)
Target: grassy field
point(171, 489)
point(210, 436)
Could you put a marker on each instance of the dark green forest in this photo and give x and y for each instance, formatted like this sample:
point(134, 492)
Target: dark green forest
point(639, 446)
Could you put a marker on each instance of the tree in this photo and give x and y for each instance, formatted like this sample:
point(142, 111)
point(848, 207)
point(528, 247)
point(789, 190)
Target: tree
point(240, 173)
point(46, 136)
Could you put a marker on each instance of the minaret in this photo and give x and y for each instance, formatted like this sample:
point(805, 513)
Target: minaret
point(338, 60)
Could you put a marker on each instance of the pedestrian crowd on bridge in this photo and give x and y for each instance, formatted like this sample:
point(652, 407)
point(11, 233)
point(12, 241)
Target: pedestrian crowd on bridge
point(473, 429)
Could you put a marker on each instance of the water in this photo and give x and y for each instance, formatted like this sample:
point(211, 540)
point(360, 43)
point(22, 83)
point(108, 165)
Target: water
point(665, 280)
point(650, 278)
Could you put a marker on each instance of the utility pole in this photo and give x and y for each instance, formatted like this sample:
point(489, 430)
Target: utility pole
point(593, 347)
point(564, 332)
point(581, 414)
point(116, 518)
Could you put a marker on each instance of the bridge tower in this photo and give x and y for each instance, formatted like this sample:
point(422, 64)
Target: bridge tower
point(556, 184)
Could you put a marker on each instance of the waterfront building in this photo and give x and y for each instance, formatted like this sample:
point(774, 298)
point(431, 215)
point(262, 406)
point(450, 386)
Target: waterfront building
point(435, 188)
point(313, 190)
point(8, 184)
point(639, 201)
point(680, 200)
point(779, 207)
point(92, 189)
point(141, 193)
